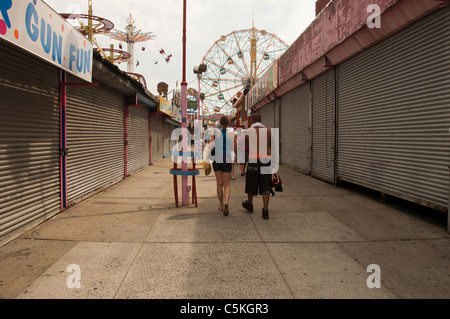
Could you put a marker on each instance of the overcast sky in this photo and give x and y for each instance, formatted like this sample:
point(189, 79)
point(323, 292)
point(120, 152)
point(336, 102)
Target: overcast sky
point(207, 20)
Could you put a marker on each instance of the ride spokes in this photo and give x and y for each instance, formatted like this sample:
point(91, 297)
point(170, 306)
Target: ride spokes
point(234, 63)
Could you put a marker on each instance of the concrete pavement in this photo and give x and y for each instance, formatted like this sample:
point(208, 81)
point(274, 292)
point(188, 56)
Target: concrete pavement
point(130, 241)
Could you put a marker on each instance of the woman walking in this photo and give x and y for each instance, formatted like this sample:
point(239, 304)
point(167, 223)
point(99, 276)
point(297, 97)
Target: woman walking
point(223, 161)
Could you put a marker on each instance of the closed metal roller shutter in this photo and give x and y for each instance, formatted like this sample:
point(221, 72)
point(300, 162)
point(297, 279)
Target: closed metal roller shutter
point(169, 129)
point(276, 123)
point(171, 142)
point(157, 133)
point(268, 115)
point(323, 126)
point(295, 139)
point(138, 139)
point(95, 139)
point(167, 132)
point(394, 114)
point(29, 142)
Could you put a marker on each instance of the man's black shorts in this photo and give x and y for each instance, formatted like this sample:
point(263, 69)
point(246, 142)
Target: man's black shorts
point(255, 182)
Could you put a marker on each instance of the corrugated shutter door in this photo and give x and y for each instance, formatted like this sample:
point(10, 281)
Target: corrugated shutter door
point(29, 141)
point(295, 144)
point(171, 142)
point(169, 129)
point(95, 139)
point(323, 131)
point(276, 123)
point(156, 128)
point(167, 132)
point(268, 115)
point(138, 139)
point(394, 114)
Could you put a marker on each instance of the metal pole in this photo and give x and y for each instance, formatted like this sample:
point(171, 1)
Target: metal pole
point(111, 53)
point(203, 117)
point(150, 138)
point(184, 186)
point(199, 139)
point(90, 27)
point(63, 138)
point(198, 97)
point(163, 136)
point(127, 115)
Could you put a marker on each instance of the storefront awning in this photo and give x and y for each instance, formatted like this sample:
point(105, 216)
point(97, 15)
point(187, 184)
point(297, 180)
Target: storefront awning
point(145, 100)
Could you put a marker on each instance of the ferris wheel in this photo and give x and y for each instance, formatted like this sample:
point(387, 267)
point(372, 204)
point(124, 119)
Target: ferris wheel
point(234, 63)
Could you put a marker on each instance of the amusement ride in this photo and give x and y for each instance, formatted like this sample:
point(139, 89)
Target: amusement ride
point(91, 25)
point(234, 63)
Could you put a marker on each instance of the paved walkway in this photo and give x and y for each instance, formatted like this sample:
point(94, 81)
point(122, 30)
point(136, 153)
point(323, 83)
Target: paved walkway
point(130, 241)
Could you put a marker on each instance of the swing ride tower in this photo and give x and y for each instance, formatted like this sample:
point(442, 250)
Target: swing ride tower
point(130, 36)
point(91, 26)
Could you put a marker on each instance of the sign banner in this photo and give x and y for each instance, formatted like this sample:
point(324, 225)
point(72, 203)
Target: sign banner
point(266, 84)
point(192, 92)
point(165, 106)
point(176, 114)
point(37, 28)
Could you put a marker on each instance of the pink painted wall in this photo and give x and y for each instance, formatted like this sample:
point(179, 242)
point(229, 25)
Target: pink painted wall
point(320, 5)
point(338, 33)
point(335, 23)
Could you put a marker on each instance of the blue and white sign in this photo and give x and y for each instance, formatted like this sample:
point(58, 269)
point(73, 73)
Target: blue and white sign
point(37, 28)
